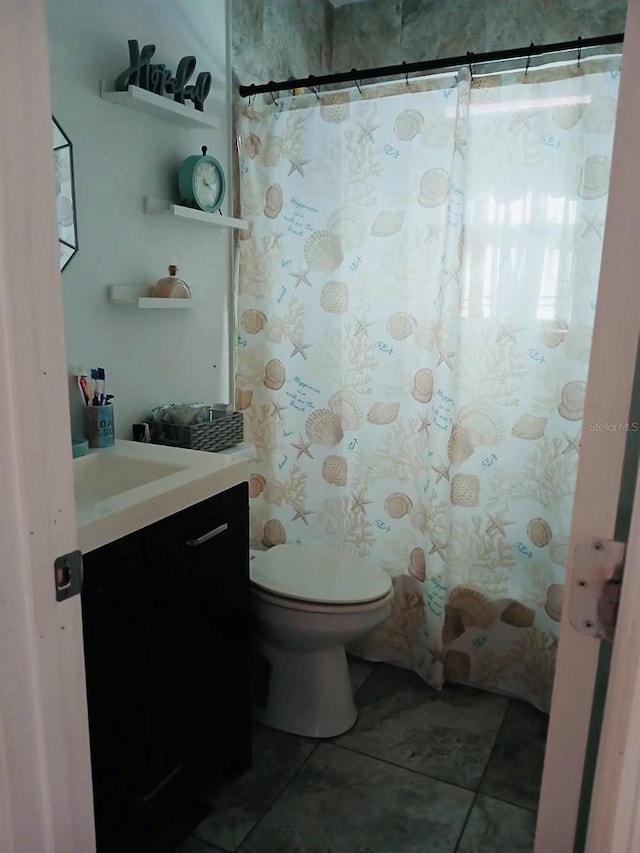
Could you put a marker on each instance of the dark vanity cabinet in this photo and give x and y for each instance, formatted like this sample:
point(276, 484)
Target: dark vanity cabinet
point(167, 657)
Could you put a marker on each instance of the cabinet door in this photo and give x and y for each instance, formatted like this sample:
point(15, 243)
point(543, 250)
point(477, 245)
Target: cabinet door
point(198, 595)
point(115, 664)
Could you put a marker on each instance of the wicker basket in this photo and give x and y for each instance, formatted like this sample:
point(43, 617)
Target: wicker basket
point(224, 431)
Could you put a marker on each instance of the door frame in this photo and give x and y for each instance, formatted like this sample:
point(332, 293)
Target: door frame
point(45, 774)
point(614, 822)
point(611, 374)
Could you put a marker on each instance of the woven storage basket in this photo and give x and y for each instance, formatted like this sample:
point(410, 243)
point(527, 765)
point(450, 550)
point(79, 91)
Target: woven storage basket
point(224, 431)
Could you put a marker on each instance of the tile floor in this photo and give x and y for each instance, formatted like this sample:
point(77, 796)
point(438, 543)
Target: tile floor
point(451, 772)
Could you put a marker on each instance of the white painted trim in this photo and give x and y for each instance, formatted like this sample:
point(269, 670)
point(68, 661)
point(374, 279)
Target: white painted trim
point(614, 823)
point(617, 326)
point(45, 782)
point(232, 319)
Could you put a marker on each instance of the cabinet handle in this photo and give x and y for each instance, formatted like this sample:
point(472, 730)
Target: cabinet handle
point(206, 536)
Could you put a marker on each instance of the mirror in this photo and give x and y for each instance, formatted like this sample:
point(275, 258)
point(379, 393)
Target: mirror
point(65, 196)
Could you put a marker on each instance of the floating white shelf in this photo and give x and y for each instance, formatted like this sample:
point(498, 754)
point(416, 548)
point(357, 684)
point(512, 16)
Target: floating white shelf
point(139, 99)
point(136, 297)
point(158, 205)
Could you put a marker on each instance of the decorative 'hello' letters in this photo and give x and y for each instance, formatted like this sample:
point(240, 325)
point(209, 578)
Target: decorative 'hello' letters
point(160, 79)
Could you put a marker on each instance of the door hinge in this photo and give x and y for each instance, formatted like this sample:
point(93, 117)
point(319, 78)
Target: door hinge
point(595, 594)
point(67, 573)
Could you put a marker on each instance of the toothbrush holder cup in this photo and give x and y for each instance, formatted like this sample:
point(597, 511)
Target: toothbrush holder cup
point(98, 421)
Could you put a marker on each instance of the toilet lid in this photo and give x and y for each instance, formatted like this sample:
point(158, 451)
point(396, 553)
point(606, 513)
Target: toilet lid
point(318, 573)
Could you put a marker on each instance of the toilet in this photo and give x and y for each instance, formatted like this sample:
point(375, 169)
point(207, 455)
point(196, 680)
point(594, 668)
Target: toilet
point(308, 601)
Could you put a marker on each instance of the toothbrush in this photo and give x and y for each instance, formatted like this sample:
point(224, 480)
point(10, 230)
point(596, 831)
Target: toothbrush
point(102, 377)
point(84, 388)
point(94, 387)
point(99, 383)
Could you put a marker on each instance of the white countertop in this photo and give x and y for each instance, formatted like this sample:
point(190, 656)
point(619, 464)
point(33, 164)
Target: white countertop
point(182, 478)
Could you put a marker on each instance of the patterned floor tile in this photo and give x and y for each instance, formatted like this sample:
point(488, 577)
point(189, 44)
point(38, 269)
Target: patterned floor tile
point(196, 845)
point(448, 735)
point(514, 771)
point(494, 827)
point(344, 802)
point(237, 805)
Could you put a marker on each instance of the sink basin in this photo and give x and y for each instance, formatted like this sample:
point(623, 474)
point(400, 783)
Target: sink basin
point(97, 477)
point(126, 487)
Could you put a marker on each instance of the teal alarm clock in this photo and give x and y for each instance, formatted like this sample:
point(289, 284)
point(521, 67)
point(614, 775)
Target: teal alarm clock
point(201, 181)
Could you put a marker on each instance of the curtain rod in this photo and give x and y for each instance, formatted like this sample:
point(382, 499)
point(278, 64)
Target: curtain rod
point(355, 75)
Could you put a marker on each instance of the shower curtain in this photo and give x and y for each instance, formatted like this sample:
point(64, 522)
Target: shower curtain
point(416, 300)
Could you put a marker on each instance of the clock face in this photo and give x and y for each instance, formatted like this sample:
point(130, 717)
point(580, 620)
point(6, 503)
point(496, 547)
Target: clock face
point(208, 185)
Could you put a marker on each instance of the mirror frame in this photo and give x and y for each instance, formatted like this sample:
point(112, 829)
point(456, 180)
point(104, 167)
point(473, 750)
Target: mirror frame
point(66, 210)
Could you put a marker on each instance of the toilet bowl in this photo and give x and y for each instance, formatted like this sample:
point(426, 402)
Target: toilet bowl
point(308, 601)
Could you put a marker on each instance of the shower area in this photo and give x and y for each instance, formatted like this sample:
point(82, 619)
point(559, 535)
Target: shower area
point(415, 307)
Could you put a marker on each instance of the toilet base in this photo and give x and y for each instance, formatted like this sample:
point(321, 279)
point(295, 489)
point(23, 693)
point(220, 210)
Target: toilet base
point(306, 693)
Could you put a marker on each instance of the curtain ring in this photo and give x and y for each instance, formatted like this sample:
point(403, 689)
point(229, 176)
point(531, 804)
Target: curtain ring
point(311, 78)
point(526, 69)
point(275, 100)
point(354, 71)
point(406, 73)
point(579, 49)
point(469, 58)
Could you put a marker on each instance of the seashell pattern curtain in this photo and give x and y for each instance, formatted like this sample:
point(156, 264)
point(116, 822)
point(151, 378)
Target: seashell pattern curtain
point(415, 309)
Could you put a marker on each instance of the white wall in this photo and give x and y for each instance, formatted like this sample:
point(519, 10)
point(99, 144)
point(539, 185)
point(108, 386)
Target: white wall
point(151, 356)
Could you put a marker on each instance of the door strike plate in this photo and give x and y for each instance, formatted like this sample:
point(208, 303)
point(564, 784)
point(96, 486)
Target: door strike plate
point(595, 595)
point(67, 571)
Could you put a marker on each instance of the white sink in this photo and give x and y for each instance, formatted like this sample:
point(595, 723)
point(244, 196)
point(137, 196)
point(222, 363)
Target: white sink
point(99, 476)
point(128, 486)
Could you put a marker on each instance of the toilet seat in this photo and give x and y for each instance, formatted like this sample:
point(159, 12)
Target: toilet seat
point(317, 574)
point(316, 607)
